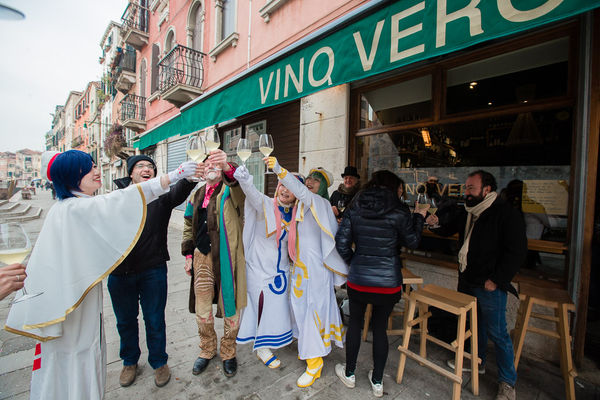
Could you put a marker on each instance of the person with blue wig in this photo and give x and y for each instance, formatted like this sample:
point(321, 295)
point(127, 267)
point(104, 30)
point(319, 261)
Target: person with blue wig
point(83, 239)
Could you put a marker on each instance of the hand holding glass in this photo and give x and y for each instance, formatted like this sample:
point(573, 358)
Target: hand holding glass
point(14, 248)
point(432, 210)
point(212, 141)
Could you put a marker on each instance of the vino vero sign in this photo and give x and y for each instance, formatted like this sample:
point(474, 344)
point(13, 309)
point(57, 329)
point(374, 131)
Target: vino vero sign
point(404, 32)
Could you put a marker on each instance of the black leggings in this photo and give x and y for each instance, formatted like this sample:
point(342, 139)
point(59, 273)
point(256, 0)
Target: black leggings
point(383, 304)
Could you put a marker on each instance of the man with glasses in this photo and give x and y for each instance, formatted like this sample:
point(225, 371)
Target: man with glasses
point(142, 278)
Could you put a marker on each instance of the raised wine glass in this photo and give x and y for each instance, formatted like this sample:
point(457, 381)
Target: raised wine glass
point(196, 151)
point(422, 201)
point(14, 248)
point(265, 145)
point(244, 151)
point(212, 141)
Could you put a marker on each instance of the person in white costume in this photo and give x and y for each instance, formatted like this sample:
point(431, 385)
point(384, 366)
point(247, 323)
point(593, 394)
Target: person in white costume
point(317, 268)
point(268, 224)
point(84, 237)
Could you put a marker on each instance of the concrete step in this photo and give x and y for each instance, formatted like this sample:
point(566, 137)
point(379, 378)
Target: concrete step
point(3, 202)
point(34, 213)
point(17, 212)
point(8, 207)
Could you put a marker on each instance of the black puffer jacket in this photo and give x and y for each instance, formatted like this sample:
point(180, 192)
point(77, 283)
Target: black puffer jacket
point(378, 224)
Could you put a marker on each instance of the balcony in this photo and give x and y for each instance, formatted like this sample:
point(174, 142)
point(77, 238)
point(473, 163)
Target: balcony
point(181, 74)
point(124, 72)
point(135, 25)
point(133, 112)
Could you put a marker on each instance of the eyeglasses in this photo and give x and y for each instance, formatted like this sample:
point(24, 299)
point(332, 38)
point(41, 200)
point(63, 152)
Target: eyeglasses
point(142, 166)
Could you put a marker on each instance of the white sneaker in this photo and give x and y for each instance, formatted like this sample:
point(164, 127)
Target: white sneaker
point(377, 387)
point(340, 371)
point(452, 366)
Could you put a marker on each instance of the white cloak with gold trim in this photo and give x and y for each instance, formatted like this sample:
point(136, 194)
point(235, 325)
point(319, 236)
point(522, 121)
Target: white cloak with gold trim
point(266, 320)
point(82, 240)
point(318, 267)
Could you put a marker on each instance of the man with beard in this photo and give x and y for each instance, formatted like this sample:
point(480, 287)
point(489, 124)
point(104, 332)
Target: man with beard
point(341, 198)
point(213, 248)
point(493, 246)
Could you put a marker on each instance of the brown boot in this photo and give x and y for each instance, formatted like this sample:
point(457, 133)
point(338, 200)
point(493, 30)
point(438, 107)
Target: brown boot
point(128, 375)
point(162, 375)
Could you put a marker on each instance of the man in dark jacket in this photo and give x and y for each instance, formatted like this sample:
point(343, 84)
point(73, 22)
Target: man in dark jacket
point(142, 278)
point(341, 198)
point(492, 246)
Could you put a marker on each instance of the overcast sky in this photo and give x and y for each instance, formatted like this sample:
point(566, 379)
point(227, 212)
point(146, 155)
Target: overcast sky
point(54, 50)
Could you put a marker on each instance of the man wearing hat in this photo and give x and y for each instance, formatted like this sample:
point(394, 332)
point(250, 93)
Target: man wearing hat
point(341, 198)
point(142, 278)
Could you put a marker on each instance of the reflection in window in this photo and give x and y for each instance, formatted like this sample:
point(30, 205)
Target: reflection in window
point(519, 77)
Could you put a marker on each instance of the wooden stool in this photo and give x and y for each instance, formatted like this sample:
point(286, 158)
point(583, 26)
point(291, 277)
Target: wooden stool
point(459, 304)
point(560, 301)
point(408, 278)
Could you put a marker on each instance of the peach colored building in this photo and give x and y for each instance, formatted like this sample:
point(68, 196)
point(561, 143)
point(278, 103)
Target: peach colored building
point(418, 88)
point(8, 161)
point(84, 109)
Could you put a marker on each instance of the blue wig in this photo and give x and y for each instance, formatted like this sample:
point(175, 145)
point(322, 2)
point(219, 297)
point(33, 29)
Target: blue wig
point(67, 170)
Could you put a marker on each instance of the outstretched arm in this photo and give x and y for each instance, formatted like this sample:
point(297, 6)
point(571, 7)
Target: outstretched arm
point(254, 197)
point(290, 182)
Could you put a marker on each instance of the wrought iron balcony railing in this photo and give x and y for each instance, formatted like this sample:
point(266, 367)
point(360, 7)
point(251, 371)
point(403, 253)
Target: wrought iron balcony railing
point(181, 66)
point(135, 17)
point(133, 107)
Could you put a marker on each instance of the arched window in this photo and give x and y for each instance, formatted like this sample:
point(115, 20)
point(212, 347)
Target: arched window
point(196, 26)
point(170, 41)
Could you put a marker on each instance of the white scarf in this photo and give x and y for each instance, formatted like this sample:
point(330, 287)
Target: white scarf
point(473, 214)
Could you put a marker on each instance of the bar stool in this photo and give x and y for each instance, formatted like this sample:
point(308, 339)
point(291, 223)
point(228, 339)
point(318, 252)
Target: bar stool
point(459, 304)
point(560, 301)
point(408, 278)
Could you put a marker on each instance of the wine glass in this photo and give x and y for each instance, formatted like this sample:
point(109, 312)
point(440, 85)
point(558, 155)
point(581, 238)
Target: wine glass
point(433, 207)
point(212, 141)
point(196, 151)
point(422, 201)
point(14, 247)
point(244, 151)
point(265, 145)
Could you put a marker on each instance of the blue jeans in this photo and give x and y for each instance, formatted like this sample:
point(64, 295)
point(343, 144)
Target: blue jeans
point(149, 288)
point(491, 318)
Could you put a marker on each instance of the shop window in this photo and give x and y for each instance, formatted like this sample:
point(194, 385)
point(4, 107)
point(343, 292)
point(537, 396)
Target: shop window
point(519, 77)
point(511, 114)
point(402, 102)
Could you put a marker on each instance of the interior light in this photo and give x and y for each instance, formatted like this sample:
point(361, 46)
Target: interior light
point(489, 103)
point(426, 137)
point(472, 85)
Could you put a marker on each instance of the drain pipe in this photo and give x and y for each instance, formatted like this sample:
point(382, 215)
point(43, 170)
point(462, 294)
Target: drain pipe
point(249, 31)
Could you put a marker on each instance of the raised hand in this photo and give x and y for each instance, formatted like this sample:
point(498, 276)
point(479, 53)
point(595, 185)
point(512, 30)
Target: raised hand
point(187, 169)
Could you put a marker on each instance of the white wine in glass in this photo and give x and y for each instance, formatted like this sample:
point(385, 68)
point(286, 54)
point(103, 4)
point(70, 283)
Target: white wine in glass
point(265, 144)
point(212, 140)
point(422, 201)
point(243, 150)
point(196, 151)
point(14, 248)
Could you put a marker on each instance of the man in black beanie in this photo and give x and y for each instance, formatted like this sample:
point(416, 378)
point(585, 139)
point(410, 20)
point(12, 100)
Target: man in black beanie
point(142, 278)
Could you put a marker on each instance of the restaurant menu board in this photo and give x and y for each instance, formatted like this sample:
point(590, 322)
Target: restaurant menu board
point(545, 196)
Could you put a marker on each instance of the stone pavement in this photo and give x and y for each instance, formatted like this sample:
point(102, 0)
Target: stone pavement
point(537, 379)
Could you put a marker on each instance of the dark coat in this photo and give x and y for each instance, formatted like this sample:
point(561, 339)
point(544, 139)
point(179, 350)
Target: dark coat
point(498, 245)
point(151, 251)
point(378, 224)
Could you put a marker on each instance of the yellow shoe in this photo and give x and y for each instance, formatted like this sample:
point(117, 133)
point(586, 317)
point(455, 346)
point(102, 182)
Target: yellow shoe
point(312, 373)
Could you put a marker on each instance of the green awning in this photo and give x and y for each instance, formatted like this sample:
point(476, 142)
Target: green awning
point(404, 32)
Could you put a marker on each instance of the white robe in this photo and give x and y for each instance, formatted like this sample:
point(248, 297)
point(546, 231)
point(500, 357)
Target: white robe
point(318, 267)
point(82, 240)
point(266, 319)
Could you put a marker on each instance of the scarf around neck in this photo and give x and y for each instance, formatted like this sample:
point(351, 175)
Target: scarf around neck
point(473, 214)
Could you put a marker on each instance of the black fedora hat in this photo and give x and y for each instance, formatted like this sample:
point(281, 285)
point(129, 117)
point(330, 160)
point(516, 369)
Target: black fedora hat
point(350, 171)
